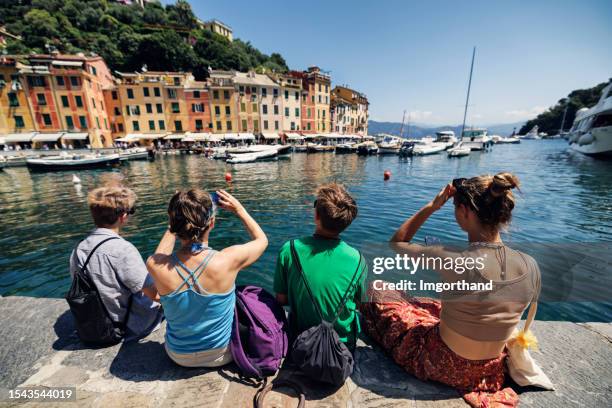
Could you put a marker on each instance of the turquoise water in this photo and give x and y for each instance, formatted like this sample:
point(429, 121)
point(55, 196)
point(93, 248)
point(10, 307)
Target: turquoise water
point(565, 199)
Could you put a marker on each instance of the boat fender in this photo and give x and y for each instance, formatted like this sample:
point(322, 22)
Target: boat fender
point(586, 139)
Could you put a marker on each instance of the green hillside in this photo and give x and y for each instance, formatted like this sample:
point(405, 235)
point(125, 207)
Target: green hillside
point(550, 121)
point(164, 38)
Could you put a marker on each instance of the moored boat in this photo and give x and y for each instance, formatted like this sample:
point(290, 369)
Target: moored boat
point(591, 133)
point(476, 139)
point(406, 149)
point(346, 148)
point(459, 151)
point(319, 148)
point(268, 154)
point(76, 162)
point(367, 148)
point(424, 149)
point(447, 137)
point(136, 153)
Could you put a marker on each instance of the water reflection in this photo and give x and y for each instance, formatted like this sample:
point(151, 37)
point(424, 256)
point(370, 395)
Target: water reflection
point(565, 198)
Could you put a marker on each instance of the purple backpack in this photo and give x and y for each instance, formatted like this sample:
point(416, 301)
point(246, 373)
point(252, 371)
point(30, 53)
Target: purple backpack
point(259, 333)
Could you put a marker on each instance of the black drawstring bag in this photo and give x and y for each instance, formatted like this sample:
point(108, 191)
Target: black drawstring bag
point(318, 351)
point(92, 320)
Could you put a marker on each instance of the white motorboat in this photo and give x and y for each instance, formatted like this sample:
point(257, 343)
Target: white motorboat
point(447, 137)
point(591, 133)
point(459, 150)
point(422, 149)
point(72, 162)
point(496, 139)
point(135, 153)
point(300, 148)
point(476, 139)
point(319, 148)
point(532, 134)
point(270, 153)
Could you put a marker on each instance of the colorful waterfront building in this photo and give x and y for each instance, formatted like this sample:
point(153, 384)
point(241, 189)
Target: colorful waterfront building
point(16, 120)
point(223, 110)
point(65, 95)
point(197, 100)
point(321, 95)
point(307, 102)
point(291, 101)
point(349, 111)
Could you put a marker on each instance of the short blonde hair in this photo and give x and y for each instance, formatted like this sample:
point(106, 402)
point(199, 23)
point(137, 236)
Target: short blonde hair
point(108, 203)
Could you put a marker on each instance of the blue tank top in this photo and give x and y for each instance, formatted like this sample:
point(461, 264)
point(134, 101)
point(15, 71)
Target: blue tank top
point(197, 321)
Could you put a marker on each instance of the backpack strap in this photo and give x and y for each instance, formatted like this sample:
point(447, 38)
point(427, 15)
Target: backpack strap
point(267, 387)
point(346, 294)
point(298, 264)
point(84, 269)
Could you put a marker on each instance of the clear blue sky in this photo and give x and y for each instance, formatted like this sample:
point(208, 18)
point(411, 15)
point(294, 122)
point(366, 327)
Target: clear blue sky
point(415, 55)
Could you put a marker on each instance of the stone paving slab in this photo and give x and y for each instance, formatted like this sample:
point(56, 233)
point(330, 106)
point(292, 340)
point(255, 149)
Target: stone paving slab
point(40, 347)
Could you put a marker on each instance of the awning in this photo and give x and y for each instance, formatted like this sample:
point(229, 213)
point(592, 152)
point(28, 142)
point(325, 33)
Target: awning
point(47, 137)
point(270, 136)
point(239, 136)
point(175, 136)
point(311, 136)
point(294, 136)
point(19, 137)
point(2, 141)
point(130, 137)
point(153, 135)
point(198, 137)
point(68, 63)
point(75, 136)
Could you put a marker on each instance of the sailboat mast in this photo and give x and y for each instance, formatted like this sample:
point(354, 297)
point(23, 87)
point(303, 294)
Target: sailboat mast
point(408, 125)
point(563, 120)
point(402, 128)
point(467, 99)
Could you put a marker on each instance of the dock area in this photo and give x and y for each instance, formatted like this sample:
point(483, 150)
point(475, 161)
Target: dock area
point(40, 348)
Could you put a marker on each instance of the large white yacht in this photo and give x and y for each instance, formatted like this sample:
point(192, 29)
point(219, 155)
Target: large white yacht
point(476, 139)
point(591, 133)
point(447, 137)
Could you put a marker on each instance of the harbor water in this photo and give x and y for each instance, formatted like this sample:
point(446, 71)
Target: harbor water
point(565, 199)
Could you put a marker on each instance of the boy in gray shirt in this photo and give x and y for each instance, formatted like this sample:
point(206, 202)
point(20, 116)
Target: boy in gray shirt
point(116, 267)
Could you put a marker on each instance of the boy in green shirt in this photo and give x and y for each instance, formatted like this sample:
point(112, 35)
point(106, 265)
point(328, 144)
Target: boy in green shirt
point(329, 264)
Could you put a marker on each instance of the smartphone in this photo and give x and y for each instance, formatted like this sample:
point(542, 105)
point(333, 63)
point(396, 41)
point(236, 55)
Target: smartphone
point(215, 198)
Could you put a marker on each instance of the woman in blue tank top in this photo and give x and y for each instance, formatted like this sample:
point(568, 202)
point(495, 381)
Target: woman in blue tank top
point(196, 283)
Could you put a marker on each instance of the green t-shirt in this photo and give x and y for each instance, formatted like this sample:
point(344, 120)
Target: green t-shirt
point(329, 265)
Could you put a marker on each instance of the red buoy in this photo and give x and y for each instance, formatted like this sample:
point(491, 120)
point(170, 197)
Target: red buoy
point(386, 175)
point(228, 177)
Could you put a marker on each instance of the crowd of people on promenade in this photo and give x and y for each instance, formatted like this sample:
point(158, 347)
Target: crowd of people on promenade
point(318, 278)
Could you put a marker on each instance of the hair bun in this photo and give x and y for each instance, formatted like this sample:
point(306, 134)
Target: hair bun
point(502, 183)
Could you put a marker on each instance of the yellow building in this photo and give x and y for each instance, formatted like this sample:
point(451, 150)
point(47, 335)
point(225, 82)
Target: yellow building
point(15, 113)
point(218, 27)
point(349, 111)
point(223, 110)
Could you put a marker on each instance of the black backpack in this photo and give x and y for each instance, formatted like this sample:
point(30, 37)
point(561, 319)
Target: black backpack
point(318, 351)
point(92, 320)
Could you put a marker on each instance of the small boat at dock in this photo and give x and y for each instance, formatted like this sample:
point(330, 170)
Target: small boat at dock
point(319, 148)
point(68, 162)
point(406, 150)
point(459, 150)
point(367, 148)
point(269, 154)
point(136, 153)
point(343, 148)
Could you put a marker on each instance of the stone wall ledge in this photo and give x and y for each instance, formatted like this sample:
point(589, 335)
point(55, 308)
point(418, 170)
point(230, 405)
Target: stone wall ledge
point(39, 347)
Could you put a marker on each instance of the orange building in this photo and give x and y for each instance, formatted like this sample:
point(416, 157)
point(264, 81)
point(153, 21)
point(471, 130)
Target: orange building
point(307, 104)
point(198, 107)
point(349, 111)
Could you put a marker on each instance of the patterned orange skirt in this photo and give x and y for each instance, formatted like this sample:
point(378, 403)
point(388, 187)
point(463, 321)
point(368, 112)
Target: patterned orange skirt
point(408, 329)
